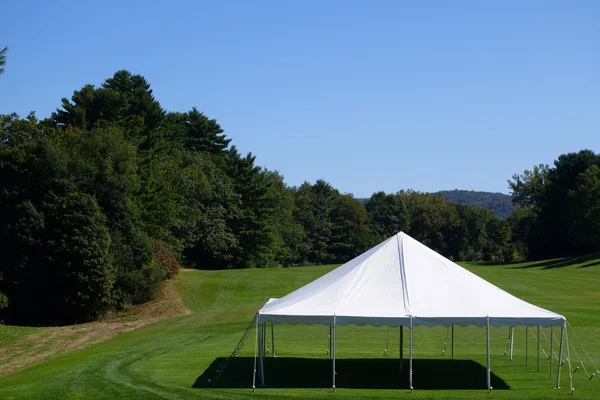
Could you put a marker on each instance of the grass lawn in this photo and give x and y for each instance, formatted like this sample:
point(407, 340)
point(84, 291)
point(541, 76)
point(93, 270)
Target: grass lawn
point(9, 336)
point(174, 358)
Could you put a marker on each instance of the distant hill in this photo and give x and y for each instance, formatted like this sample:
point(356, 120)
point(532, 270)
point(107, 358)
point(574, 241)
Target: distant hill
point(500, 203)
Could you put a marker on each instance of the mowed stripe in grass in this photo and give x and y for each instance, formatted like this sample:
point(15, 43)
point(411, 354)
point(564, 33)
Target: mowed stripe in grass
point(167, 359)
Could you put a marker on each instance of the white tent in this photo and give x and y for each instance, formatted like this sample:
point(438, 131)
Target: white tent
point(401, 282)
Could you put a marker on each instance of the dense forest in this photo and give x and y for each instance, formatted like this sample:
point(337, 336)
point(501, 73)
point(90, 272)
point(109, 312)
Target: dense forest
point(501, 204)
point(103, 200)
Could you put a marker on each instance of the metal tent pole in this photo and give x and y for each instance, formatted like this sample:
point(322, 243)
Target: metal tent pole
point(453, 342)
point(401, 348)
point(512, 340)
point(330, 339)
point(333, 353)
point(259, 333)
point(262, 353)
point(538, 340)
point(551, 348)
point(410, 361)
point(560, 356)
point(255, 354)
point(526, 345)
point(569, 362)
point(272, 340)
point(487, 341)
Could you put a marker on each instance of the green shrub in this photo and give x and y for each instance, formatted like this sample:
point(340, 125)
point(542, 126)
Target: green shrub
point(138, 274)
point(165, 257)
point(3, 300)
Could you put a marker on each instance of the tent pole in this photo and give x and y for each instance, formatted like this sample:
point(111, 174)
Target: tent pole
point(259, 329)
point(401, 348)
point(410, 361)
point(560, 356)
point(507, 350)
point(453, 342)
point(538, 340)
point(264, 337)
point(333, 353)
point(255, 353)
point(330, 339)
point(261, 353)
point(551, 348)
point(487, 341)
point(272, 340)
point(512, 340)
point(526, 345)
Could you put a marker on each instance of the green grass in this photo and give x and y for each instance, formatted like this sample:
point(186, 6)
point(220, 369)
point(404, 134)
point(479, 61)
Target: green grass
point(174, 358)
point(12, 334)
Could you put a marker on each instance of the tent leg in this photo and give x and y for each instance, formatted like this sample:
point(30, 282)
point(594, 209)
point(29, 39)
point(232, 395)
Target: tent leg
point(560, 356)
point(261, 353)
point(255, 353)
point(487, 341)
point(259, 333)
point(330, 339)
point(512, 340)
point(453, 342)
point(261, 349)
point(264, 338)
point(526, 345)
point(272, 340)
point(401, 348)
point(262, 356)
point(333, 353)
point(538, 340)
point(410, 361)
point(551, 348)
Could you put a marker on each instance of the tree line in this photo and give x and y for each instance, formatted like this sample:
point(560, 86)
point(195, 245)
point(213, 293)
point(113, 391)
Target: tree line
point(559, 212)
point(104, 199)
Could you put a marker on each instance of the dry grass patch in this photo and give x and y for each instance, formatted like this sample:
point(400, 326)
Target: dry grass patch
point(56, 341)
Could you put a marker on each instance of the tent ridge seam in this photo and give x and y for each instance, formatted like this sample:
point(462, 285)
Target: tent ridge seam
point(405, 297)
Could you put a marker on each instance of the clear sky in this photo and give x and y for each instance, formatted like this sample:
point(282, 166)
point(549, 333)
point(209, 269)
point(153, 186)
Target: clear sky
point(368, 95)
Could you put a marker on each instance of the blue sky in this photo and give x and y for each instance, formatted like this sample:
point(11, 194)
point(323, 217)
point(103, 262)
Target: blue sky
point(368, 95)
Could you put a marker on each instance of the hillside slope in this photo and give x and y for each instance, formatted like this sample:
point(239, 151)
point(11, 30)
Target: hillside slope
point(24, 346)
point(500, 203)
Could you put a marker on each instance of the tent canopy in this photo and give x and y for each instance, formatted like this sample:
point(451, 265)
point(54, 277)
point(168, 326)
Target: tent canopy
point(400, 279)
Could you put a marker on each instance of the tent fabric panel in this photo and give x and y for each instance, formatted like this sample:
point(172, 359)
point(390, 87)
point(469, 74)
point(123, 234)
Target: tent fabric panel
point(368, 286)
point(405, 321)
point(296, 319)
point(494, 322)
point(339, 320)
point(440, 288)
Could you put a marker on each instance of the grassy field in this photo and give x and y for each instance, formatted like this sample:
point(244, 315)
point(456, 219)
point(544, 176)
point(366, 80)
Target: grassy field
point(175, 357)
